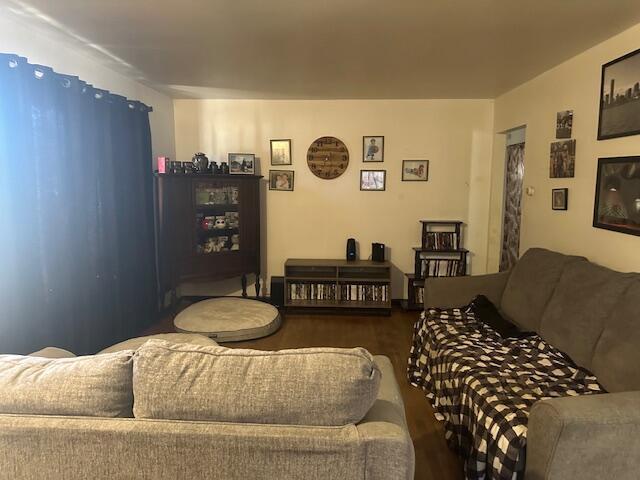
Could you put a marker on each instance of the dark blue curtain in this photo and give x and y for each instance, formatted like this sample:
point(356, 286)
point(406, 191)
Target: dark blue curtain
point(77, 261)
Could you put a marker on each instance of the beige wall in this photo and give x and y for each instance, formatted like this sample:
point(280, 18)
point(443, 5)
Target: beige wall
point(315, 220)
point(573, 85)
point(53, 50)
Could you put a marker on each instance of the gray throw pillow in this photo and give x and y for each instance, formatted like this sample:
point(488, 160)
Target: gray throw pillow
point(314, 386)
point(94, 386)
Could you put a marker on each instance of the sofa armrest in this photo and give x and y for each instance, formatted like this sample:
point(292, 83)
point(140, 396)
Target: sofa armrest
point(450, 292)
point(586, 437)
point(384, 431)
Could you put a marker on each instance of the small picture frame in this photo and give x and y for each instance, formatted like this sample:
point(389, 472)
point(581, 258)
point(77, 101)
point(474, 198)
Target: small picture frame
point(281, 152)
point(562, 159)
point(564, 124)
point(281, 180)
point(560, 198)
point(373, 148)
point(415, 170)
point(373, 180)
point(242, 163)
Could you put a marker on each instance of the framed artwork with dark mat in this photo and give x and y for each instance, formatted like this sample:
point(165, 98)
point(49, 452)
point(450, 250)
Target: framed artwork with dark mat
point(617, 198)
point(620, 97)
point(560, 198)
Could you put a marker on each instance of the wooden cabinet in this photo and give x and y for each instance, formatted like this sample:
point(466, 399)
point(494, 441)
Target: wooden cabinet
point(338, 284)
point(440, 255)
point(208, 228)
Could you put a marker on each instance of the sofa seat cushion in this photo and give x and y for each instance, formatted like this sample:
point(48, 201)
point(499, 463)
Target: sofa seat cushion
point(531, 284)
point(94, 386)
point(617, 354)
point(314, 386)
point(582, 302)
point(135, 343)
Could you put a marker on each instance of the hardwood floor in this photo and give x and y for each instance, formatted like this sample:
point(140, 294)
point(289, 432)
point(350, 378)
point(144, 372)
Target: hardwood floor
point(390, 336)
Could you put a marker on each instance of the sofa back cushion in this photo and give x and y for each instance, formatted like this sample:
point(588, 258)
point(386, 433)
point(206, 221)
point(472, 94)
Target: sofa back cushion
point(93, 386)
point(531, 284)
point(314, 386)
point(617, 355)
point(582, 303)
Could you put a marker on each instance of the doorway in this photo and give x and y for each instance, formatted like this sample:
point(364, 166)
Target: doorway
point(512, 212)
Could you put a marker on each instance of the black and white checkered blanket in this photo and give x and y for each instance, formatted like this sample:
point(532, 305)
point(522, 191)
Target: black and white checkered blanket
point(483, 386)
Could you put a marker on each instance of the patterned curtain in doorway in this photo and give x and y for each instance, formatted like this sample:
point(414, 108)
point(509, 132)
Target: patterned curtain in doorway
point(512, 206)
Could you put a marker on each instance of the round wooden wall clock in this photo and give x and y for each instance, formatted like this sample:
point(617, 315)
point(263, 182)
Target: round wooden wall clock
point(328, 157)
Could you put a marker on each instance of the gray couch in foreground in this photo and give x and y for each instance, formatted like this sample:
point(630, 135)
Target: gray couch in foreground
point(182, 410)
point(592, 314)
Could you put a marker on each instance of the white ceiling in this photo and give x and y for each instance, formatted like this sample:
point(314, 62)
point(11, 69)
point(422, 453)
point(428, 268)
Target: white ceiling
point(332, 49)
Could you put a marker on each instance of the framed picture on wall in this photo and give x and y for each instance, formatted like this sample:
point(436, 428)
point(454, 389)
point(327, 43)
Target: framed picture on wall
point(281, 180)
point(562, 159)
point(373, 149)
point(564, 124)
point(415, 170)
point(617, 202)
point(559, 198)
point(620, 97)
point(242, 163)
point(281, 152)
point(373, 180)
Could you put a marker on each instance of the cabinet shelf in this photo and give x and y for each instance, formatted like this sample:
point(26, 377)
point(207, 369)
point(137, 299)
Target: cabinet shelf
point(355, 304)
point(440, 250)
point(218, 232)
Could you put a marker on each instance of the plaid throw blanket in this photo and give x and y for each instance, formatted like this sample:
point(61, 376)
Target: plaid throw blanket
point(483, 386)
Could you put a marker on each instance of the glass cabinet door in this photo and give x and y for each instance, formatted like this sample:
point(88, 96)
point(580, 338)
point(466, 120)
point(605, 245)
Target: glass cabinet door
point(217, 218)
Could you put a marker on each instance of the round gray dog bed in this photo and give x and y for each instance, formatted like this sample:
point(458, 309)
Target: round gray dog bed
point(229, 319)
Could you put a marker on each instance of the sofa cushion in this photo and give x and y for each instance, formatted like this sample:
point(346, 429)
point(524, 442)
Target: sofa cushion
point(95, 386)
point(581, 303)
point(617, 353)
point(135, 343)
point(531, 284)
point(314, 386)
point(53, 352)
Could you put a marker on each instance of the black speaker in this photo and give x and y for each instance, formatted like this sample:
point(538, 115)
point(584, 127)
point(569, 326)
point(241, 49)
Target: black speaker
point(377, 252)
point(351, 249)
point(277, 291)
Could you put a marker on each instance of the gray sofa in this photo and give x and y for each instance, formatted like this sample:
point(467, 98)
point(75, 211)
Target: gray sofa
point(184, 411)
point(593, 314)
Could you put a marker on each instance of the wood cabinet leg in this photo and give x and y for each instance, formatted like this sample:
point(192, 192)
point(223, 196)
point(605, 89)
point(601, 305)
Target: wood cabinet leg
point(258, 285)
point(243, 279)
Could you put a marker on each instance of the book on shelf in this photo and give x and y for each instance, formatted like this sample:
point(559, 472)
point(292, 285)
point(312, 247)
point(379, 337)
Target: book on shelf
point(419, 295)
point(441, 241)
point(439, 267)
point(329, 291)
point(312, 291)
point(363, 292)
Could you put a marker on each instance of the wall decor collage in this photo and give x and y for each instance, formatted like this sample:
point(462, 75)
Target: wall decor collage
point(617, 194)
point(617, 191)
point(562, 158)
point(328, 158)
